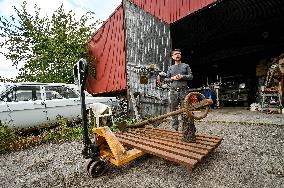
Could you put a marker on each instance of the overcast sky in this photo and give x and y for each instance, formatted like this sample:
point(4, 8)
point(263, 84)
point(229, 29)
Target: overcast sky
point(102, 8)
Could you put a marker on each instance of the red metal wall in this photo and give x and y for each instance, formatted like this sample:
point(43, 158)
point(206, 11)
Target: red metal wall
point(108, 43)
point(108, 47)
point(171, 10)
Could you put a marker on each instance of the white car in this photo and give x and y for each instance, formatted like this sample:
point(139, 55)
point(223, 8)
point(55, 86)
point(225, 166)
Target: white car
point(29, 105)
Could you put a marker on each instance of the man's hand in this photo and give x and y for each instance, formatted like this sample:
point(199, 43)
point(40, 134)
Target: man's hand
point(177, 77)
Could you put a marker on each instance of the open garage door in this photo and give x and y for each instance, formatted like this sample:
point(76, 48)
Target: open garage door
point(229, 39)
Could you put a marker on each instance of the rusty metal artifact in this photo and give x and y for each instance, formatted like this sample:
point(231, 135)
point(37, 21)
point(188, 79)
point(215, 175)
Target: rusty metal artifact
point(188, 109)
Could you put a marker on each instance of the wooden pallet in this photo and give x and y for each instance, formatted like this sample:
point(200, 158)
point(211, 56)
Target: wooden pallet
point(169, 145)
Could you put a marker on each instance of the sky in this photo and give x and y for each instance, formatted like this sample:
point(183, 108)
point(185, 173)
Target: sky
point(102, 8)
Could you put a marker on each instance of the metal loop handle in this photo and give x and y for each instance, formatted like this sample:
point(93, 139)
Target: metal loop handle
point(188, 106)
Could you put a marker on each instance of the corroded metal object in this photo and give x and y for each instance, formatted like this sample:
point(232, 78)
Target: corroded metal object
point(190, 106)
point(188, 109)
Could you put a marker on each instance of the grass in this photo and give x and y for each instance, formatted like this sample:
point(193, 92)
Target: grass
point(13, 140)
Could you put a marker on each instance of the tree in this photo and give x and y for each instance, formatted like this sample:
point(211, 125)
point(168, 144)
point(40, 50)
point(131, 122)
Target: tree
point(48, 46)
point(2, 79)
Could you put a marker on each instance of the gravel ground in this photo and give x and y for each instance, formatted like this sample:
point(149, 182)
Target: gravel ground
point(251, 155)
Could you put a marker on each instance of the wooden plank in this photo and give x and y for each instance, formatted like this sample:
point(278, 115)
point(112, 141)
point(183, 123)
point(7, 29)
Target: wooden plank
point(200, 136)
point(175, 133)
point(171, 144)
point(169, 149)
point(178, 136)
point(175, 140)
point(210, 136)
point(160, 153)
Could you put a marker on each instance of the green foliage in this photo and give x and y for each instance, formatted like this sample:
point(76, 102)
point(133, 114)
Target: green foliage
point(48, 46)
point(12, 140)
point(7, 137)
point(91, 70)
point(2, 79)
point(62, 132)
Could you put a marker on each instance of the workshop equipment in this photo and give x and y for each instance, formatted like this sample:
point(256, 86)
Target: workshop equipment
point(108, 147)
point(271, 96)
point(189, 107)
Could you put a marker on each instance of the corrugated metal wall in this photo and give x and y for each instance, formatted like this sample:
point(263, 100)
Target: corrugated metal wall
point(108, 47)
point(147, 42)
point(171, 10)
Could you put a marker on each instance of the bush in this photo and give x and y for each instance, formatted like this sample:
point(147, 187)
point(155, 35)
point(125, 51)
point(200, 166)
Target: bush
point(12, 140)
point(7, 137)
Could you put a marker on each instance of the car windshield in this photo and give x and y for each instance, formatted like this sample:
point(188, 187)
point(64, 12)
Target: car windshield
point(5, 89)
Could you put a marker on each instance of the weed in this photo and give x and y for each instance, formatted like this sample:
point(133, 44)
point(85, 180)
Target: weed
point(7, 137)
point(12, 140)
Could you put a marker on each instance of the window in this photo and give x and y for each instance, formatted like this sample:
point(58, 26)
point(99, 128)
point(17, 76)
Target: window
point(21, 93)
point(27, 93)
point(59, 92)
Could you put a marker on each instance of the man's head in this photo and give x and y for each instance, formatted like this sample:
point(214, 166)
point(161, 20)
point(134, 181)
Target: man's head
point(176, 55)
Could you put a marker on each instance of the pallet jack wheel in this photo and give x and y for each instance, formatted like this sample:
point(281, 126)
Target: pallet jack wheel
point(89, 164)
point(96, 168)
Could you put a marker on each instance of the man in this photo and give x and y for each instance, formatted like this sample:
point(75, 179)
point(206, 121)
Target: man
point(178, 74)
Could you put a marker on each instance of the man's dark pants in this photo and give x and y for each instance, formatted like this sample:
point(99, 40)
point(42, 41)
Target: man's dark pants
point(188, 128)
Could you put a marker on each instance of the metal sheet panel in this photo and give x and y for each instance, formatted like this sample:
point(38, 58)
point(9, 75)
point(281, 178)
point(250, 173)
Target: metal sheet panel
point(147, 42)
point(171, 10)
point(108, 47)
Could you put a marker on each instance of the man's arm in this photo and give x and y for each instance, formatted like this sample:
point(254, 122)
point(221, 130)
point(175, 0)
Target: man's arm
point(188, 75)
point(169, 75)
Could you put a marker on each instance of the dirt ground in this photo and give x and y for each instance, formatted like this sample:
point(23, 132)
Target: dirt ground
point(251, 155)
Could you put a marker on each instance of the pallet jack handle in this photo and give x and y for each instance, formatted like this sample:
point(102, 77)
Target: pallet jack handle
point(91, 149)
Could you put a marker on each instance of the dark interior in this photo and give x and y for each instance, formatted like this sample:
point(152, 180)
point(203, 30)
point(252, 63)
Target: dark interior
point(230, 38)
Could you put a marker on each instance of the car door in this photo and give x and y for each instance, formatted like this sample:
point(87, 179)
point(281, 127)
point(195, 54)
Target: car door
point(24, 107)
point(61, 101)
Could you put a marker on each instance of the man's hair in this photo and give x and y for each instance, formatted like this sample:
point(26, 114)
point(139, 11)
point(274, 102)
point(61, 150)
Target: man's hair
point(175, 50)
